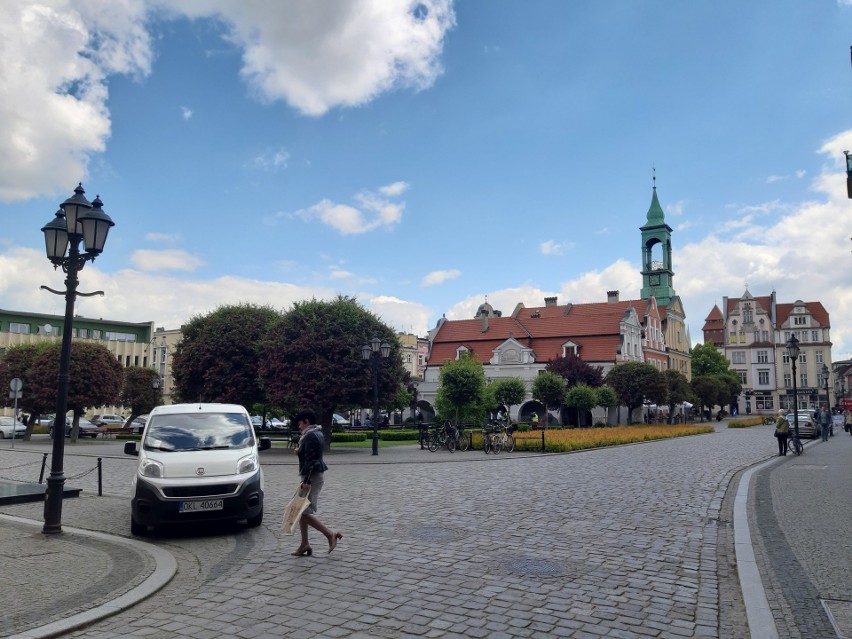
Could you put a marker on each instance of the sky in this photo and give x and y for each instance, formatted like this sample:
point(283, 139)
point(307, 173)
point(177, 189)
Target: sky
point(421, 156)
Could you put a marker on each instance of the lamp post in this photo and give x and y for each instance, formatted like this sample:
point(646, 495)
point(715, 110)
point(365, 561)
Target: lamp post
point(375, 350)
point(793, 353)
point(848, 174)
point(77, 220)
point(825, 375)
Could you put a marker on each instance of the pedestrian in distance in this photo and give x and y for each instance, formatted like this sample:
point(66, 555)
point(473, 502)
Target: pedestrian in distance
point(782, 431)
point(823, 418)
point(312, 471)
point(847, 421)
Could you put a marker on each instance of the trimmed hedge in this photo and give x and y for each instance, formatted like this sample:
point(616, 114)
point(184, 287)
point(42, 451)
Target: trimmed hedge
point(746, 423)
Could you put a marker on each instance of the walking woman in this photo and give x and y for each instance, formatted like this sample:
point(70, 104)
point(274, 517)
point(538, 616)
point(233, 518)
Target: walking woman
point(782, 431)
point(312, 470)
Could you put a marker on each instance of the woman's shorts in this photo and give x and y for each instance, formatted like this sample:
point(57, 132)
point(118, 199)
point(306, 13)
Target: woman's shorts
point(317, 480)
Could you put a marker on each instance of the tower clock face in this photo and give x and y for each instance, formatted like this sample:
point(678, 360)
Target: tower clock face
point(655, 280)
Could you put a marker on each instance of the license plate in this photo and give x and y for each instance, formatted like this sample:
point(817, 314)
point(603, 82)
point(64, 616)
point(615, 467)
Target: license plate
point(201, 505)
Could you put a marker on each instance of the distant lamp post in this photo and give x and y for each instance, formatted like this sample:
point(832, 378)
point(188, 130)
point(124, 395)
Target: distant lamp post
point(825, 375)
point(77, 220)
point(375, 350)
point(793, 354)
point(848, 174)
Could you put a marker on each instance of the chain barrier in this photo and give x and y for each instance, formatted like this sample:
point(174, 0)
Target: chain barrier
point(42, 464)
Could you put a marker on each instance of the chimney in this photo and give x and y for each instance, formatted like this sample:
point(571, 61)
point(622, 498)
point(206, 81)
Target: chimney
point(612, 297)
point(550, 301)
point(484, 322)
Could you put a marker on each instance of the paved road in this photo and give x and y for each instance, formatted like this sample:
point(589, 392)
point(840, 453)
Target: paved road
point(632, 541)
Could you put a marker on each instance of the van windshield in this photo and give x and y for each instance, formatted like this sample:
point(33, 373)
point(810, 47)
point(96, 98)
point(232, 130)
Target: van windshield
point(198, 431)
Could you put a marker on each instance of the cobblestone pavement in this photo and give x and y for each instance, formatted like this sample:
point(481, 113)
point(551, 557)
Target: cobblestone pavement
point(632, 541)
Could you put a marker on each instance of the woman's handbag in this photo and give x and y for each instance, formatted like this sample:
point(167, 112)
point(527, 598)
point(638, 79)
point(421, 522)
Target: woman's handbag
point(293, 511)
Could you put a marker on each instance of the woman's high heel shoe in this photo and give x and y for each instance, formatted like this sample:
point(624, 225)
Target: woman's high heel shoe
point(332, 543)
point(301, 551)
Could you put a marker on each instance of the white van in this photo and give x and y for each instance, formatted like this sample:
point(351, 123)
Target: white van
point(197, 462)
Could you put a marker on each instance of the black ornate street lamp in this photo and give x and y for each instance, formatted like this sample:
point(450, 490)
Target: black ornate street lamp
point(825, 376)
point(374, 351)
point(793, 354)
point(77, 220)
point(848, 174)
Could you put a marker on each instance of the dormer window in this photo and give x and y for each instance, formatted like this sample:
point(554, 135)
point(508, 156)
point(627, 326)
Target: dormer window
point(461, 351)
point(570, 348)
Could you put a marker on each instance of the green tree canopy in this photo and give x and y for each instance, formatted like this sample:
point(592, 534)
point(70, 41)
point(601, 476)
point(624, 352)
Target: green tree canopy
point(95, 379)
point(17, 363)
point(708, 360)
point(635, 382)
point(311, 358)
point(710, 390)
point(461, 389)
point(509, 391)
point(582, 397)
point(217, 358)
point(138, 392)
point(575, 371)
point(678, 389)
point(549, 389)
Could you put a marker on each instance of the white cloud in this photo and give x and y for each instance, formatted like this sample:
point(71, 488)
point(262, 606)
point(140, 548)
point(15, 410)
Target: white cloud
point(439, 277)
point(57, 57)
point(164, 238)
point(320, 55)
point(409, 317)
point(676, 208)
point(552, 247)
point(169, 260)
point(374, 211)
point(395, 189)
point(186, 113)
point(270, 160)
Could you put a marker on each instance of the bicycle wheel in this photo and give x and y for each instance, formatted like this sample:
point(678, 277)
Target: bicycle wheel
point(795, 446)
point(432, 443)
point(486, 443)
point(464, 441)
point(498, 444)
point(451, 444)
point(509, 444)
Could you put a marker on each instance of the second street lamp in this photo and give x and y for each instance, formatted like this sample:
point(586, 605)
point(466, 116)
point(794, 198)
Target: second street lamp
point(77, 220)
point(375, 350)
point(825, 375)
point(793, 354)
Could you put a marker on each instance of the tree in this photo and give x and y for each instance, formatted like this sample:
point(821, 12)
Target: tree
point(678, 389)
point(509, 391)
point(575, 371)
point(138, 392)
point(707, 360)
point(583, 398)
point(17, 363)
point(217, 359)
point(95, 379)
point(607, 397)
point(461, 389)
point(710, 390)
point(311, 358)
point(636, 381)
point(549, 389)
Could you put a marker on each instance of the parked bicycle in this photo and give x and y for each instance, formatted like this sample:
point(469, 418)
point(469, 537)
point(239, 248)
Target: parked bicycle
point(450, 435)
point(794, 444)
point(498, 438)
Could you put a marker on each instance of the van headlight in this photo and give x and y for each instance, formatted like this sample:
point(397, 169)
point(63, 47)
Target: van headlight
point(151, 468)
point(247, 465)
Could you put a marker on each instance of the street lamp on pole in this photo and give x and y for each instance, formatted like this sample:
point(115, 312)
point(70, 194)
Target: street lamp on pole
point(373, 351)
point(793, 354)
point(77, 220)
point(825, 375)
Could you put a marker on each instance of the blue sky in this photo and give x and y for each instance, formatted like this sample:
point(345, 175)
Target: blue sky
point(423, 155)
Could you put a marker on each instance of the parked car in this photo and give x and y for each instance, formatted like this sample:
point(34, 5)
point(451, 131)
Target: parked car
point(807, 425)
point(108, 420)
point(339, 420)
point(45, 420)
point(278, 424)
point(10, 426)
point(138, 424)
point(87, 428)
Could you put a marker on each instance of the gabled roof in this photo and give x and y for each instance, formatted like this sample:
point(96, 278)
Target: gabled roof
point(816, 309)
point(765, 302)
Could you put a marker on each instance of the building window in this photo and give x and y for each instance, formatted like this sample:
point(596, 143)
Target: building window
point(800, 321)
point(818, 356)
point(803, 379)
point(747, 316)
point(743, 375)
point(738, 357)
point(119, 337)
point(788, 380)
point(17, 327)
point(762, 357)
point(96, 334)
point(765, 336)
point(764, 402)
point(44, 330)
point(408, 358)
point(803, 358)
point(420, 359)
point(763, 378)
point(814, 336)
point(732, 337)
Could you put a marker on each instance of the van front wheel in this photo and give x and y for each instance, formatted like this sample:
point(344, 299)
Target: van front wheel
point(257, 520)
point(136, 528)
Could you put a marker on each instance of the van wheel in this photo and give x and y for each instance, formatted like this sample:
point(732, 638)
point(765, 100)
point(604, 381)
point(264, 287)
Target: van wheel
point(137, 529)
point(257, 520)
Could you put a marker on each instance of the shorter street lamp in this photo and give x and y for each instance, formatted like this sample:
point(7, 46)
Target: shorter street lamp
point(375, 350)
point(793, 354)
point(77, 220)
point(848, 174)
point(825, 376)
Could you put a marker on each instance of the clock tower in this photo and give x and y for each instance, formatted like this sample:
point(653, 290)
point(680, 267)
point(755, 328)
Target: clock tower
point(657, 274)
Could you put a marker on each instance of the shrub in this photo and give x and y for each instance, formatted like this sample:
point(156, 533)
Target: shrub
point(746, 423)
point(600, 424)
point(341, 438)
point(399, 435)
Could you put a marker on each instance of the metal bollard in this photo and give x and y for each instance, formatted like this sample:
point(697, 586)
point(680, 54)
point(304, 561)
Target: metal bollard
point(543, 449)
point(43, 465)
point(100, 478)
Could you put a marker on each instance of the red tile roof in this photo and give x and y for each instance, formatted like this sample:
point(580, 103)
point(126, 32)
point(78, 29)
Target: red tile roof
point(816, 309)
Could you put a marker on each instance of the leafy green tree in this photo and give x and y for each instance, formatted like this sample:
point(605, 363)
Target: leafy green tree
point(138, 392)
point(710, 390)
point(582, 397)
point(311, 358)
point(636, 381)
point(678, 390)
point(607, 397)
point(549, 389)
point(95, 379)
point(707, 360)
point(575, 371)
point(217, 358)
point(509, 391)
point(17, 363)
point(461, 389)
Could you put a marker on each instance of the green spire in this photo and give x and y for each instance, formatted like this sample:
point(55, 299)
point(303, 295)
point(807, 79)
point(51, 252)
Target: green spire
point(655, 213)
